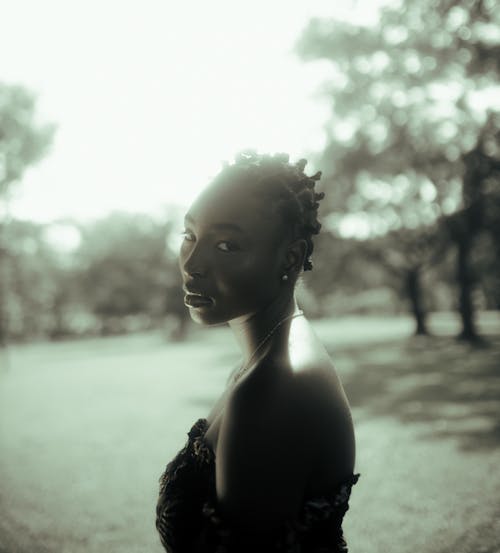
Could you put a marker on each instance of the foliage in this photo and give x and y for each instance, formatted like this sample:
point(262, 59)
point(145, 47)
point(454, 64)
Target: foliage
point(341, 261)
point(404, 104)
point(408, 105)
point(23, 141)
point(120, 277)
point(125, 267)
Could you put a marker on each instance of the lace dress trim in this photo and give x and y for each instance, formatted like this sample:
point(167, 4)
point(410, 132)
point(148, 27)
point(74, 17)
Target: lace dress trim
point(319, 522)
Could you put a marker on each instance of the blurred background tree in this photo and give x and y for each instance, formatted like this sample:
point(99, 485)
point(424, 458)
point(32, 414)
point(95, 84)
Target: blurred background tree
point(37, 284)
point(404, 147)
point(411, 171)
point(477, 216)
point(120, 275)
point(23, 142)
point(131, 274)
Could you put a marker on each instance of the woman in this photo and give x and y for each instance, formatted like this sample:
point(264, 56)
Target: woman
point(271, 467)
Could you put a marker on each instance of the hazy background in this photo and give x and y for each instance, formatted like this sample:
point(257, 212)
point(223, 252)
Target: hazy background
point(113, 116)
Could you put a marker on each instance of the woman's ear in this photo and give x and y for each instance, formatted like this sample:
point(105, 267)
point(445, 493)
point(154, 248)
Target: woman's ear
point(295, 255)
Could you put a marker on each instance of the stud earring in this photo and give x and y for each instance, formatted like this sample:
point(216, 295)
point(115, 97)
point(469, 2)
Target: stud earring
point(284, 277)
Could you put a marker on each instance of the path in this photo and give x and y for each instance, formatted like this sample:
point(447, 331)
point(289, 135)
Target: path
point(86, 429)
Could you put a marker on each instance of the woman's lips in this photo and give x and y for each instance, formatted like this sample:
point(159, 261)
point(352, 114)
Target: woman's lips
point(195, 300)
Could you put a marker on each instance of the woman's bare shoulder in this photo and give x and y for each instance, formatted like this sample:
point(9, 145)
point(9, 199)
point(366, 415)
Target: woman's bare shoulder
point(310, 392)
point(319, 380)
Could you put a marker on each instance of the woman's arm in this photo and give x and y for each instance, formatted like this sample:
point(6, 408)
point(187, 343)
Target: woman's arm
point(263, 458)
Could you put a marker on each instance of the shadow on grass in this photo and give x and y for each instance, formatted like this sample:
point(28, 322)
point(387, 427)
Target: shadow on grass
point(450, 385)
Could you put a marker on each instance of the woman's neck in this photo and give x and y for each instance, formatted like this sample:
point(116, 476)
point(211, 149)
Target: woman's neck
point(251, 331)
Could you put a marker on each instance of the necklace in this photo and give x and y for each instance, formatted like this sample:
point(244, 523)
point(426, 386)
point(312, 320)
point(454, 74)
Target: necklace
point(245, 368)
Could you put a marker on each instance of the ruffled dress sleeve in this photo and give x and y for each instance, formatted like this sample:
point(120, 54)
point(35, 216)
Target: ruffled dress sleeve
point(318, 529)
point(184, 486)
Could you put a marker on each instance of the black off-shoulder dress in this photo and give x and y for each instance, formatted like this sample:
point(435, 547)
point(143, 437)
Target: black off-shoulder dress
point(188, 520)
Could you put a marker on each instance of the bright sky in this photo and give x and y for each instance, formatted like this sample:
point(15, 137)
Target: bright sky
point(149, 97)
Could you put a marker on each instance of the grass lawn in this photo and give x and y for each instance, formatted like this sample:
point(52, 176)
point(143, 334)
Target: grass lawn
point(86, 428)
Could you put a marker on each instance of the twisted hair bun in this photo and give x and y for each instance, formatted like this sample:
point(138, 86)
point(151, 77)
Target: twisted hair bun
point(292, 191)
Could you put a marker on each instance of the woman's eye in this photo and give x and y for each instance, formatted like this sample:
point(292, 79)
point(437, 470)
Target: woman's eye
point(187, 235)
point(227, 246)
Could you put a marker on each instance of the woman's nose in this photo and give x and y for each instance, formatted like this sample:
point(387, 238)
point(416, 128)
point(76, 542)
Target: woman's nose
point(193, 265)
point(196, 273)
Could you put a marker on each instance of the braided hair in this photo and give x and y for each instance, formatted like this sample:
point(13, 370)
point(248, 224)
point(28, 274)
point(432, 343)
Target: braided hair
point(291, 191)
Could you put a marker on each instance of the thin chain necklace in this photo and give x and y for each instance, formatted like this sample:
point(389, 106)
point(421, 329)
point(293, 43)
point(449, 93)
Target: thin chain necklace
point(245, 368)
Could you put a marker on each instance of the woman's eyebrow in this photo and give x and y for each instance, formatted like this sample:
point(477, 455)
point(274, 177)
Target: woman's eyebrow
point(227, 226)
point(219, 226)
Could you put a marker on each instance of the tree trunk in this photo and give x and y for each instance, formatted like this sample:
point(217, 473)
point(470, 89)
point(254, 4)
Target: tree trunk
point(466, 284)
point(414, 292)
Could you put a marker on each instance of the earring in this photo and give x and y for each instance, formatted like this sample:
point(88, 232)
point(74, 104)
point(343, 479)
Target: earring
point(284, 277)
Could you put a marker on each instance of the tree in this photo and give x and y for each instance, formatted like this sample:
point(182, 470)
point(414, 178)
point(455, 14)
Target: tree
point(125, 269)
point(404, 111)
point(39, 284)
point(23, 142)
point(406, 254)
point(481, 193)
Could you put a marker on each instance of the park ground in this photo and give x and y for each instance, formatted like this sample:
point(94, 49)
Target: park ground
point(87, 427)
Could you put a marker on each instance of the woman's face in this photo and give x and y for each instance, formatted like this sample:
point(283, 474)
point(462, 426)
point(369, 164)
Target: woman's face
point(233, 253)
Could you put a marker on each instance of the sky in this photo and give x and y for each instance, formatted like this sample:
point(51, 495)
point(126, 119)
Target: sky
point(150, 97)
